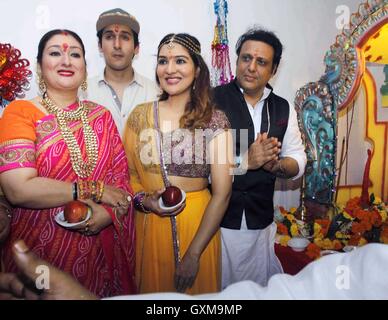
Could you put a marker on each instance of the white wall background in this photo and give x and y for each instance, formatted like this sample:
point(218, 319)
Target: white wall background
point(307, 28)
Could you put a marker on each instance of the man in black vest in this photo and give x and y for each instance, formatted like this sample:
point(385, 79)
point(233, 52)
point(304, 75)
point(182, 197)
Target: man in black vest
point(266, 124)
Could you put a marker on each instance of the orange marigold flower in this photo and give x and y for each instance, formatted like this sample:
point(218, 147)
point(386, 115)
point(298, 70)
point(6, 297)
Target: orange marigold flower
point(354, 240)
point(384, 231)
point(325, 224)
point(375, 218)
point(357, 228)
point(290, 217)
point(361, 214)
point(282, 229)
point(352, 204)
point(337, 245)
point(283, 211)
point(313, 251)
point(366, 225)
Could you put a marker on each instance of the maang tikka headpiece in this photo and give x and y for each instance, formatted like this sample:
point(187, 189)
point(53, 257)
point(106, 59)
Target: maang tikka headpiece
point(170, 44)
point(184, 41)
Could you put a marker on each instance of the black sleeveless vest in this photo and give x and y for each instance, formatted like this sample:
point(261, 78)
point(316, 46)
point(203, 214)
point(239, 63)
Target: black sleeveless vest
point(253, 191)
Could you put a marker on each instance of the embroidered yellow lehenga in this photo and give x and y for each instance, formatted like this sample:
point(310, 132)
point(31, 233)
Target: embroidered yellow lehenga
point(155, 263)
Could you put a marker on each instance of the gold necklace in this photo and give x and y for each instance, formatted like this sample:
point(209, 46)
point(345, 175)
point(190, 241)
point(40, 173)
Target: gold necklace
point(82, 169)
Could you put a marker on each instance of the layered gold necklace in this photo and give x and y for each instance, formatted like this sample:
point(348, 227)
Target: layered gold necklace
point(82, 169)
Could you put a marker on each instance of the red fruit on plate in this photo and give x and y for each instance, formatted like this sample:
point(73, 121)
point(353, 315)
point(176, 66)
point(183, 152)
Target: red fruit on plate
point(171, 196)
point(75, 211)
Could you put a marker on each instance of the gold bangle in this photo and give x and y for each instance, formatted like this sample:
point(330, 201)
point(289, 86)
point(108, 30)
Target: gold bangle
point(93, 193)
point(100, 191)
point(81, 190)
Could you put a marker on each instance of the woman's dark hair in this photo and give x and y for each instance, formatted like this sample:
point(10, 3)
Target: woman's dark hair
point(268, 37)
point(52, 33)
point(199, 109)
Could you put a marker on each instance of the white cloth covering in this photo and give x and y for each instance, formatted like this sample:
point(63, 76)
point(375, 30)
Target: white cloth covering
point(360, 274)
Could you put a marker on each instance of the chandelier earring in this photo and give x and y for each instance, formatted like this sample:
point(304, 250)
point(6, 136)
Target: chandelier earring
point(84, 85)
point(42, 85)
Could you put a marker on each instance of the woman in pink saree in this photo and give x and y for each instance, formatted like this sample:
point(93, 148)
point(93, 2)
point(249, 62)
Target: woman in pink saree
point(55, 149)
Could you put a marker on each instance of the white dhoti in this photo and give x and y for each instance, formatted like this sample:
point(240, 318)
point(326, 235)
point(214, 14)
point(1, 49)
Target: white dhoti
point(249, 255)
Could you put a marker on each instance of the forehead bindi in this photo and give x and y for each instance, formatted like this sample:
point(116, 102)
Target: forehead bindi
point(258, 49)
point(117, 28)
point(65, 43)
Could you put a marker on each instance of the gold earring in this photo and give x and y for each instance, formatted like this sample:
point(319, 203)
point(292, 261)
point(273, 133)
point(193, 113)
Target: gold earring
point(42, 85)
point(84, 85)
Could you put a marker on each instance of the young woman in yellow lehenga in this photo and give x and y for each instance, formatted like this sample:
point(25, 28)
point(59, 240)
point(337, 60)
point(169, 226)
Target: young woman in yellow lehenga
point(179, 140)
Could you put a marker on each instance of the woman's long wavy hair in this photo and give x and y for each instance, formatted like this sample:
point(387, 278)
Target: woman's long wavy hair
point(199, 109)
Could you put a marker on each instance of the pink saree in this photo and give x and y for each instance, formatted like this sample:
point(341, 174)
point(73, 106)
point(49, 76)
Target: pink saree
point(104, 263)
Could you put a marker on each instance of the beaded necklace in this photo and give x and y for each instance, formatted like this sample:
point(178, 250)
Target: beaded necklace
point(81, 168)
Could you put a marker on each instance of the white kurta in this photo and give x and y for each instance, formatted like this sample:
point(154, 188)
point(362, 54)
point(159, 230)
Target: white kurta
point(249, 255)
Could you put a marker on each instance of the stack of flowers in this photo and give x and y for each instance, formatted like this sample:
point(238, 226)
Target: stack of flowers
point(354, 224)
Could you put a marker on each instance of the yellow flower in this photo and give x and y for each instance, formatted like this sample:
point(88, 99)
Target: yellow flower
point(362, 242)
point(383, 215)
point(341, 236)
point(293, 210)
point(319, 236)
point(294, 230)
point(319, 242)
point(284, 240)
point(340, 207)
point(338, 235)
point(327, 244)
point(377, 200)
point(384, 240)
point(347, 216)
point(290, 217)
point(317, 229)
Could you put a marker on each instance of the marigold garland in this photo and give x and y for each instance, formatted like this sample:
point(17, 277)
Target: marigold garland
point(352, 225)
